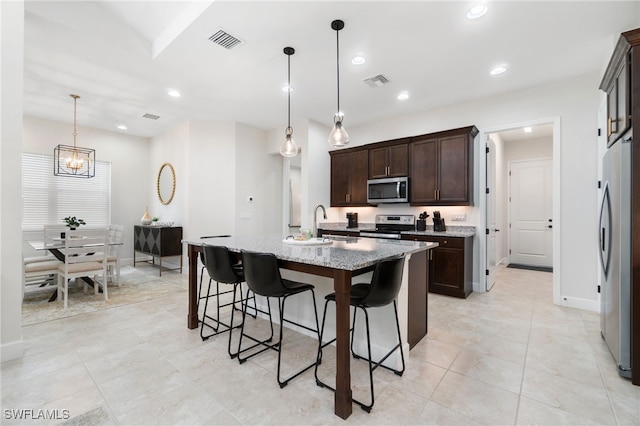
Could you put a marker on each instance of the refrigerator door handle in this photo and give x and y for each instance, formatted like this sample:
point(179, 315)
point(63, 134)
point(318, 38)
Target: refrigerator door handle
point(605, 222)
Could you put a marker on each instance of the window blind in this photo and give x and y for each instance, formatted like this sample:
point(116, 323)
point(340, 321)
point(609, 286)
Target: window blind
point(48, 199)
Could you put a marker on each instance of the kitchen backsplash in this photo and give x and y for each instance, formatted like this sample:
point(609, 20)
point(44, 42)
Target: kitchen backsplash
point(368, 214)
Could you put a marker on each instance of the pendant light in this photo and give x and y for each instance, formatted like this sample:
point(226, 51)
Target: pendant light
point(72, 160)
point(338, 136)
point(289, 147)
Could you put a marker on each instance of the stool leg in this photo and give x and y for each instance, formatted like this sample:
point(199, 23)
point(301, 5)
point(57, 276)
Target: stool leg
point(367, 408)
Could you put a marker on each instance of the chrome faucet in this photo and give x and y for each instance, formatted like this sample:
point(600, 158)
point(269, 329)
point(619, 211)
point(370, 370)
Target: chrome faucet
point(315, 218)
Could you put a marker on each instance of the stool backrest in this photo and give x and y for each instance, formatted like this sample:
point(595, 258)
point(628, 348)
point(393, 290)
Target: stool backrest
point(217, 259)
point(386, 282)
point(262, 273)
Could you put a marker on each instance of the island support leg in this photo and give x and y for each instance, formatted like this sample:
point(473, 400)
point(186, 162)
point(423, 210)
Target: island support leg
point(343, 398)
point(192, 316)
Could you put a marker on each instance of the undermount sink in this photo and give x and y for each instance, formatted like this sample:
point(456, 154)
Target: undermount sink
point(309, 242)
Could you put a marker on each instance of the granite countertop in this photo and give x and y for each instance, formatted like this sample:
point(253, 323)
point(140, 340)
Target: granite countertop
point(452, 231)
point(342, 253)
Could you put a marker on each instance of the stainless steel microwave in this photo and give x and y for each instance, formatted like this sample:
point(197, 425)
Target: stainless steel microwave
point(388, 190)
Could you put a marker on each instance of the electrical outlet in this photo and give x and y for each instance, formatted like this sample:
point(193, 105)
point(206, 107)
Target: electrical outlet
point(459, 217)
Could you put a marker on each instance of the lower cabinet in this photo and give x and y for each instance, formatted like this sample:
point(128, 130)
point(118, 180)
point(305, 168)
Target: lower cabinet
point(451, 265)
point(325, 232)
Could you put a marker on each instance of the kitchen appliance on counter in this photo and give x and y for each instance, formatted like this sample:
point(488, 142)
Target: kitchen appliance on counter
point(390, 226)
point(438, 222)
point(615, 253)
point(352, 220)
point(388, 190)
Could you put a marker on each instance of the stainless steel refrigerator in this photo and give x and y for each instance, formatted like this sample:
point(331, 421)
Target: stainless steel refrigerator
point(615, 253)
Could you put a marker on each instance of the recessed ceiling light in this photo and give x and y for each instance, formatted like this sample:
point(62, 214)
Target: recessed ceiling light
point(173, 93)
point(498, 70)
point(358, 60)
point(122, 127)
point(477, 11)
point(402, 96)
point(287, 88)
point(528, 129)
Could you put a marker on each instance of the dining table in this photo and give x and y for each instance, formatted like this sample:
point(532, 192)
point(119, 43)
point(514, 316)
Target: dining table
point(56, 247)
point(337, 258)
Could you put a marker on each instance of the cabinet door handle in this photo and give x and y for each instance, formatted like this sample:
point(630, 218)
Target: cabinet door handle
point(435, 194)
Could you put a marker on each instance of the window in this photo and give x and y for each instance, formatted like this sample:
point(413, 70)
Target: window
point(48, 199)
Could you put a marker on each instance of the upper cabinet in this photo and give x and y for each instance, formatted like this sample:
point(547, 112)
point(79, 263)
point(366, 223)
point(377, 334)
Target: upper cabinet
point(616, 84)
point(349, 172)
point(389, 161)
point(441, 168)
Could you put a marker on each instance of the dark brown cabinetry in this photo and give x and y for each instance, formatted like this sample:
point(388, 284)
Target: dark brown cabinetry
point(441, 168)
point(389, 161)
point(616, 84)
point(418, 298)
point(451, 265)
point(325, 232)
point(349, 173)
point(157, 241)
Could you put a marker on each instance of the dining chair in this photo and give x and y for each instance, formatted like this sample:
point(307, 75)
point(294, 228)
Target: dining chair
point(263, 278)
point(381, 291)
point(40, 273)
point(116, 237)
point(85, 255)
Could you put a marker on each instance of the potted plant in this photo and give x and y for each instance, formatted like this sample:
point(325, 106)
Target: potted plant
point(72, 222)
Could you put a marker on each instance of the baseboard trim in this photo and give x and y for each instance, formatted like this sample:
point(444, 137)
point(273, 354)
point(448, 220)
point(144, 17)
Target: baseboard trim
point(579, 303)
point(11, 350)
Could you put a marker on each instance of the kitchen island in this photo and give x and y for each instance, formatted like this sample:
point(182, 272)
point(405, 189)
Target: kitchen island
point(340, 260)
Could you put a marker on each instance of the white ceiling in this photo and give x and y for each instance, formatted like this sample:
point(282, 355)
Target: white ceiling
point(121, 57)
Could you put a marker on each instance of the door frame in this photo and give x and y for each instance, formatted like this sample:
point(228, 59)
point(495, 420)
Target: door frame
point(557, 205)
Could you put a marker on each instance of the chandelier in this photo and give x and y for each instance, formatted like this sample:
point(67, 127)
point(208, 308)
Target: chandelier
point(73, 160)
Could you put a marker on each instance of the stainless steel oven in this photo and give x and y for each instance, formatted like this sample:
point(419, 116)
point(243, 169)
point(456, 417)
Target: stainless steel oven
point(391, 226)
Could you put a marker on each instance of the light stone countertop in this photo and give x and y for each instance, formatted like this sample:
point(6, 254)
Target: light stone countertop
point(347, 253)
point(452, 231)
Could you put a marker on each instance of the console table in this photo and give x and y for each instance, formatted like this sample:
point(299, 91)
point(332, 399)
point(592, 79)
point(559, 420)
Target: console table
point(158, 241)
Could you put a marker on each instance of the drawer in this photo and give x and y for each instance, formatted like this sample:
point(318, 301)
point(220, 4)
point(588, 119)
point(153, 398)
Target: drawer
point(452, 242)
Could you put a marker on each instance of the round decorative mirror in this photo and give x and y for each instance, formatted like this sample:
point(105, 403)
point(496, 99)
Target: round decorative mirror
point(166, 183)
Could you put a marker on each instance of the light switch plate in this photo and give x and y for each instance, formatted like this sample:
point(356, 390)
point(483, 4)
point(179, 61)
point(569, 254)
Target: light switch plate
point(459, 217)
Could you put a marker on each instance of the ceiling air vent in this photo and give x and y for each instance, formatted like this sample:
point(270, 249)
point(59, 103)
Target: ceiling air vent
point(376, 81)
point(225, 39)
point(151, 116)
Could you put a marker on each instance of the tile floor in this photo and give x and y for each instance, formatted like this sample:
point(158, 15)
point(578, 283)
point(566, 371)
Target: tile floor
point(500, 358)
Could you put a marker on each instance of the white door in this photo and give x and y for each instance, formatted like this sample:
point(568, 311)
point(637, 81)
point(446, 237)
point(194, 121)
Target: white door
point(530, 213)
point(491, 214)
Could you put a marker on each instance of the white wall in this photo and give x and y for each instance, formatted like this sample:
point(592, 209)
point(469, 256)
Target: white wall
point(131, 181)
point(259, 176)
point(11, 47)
point(218, 165)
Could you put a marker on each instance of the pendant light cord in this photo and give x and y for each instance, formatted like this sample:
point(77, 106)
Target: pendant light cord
point(338, 68)
point(289, 91)
point(75, 131)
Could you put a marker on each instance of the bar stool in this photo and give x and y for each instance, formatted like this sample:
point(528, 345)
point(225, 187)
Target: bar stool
point(263, 278)
point(383, 290)
point(221, 268)
point(200, 296)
